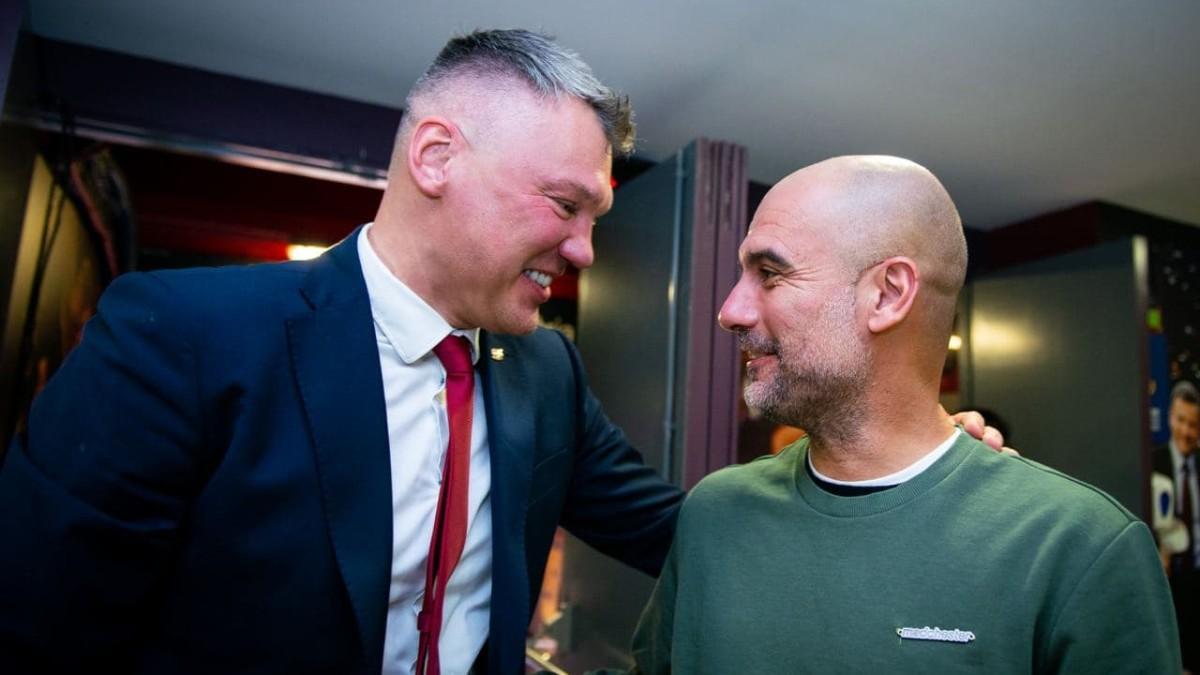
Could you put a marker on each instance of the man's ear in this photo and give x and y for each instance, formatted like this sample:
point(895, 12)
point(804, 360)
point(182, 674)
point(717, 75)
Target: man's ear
point(892, 287)
point(430, 148)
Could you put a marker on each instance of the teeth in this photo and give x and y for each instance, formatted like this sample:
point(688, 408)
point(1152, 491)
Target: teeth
point(540, 278)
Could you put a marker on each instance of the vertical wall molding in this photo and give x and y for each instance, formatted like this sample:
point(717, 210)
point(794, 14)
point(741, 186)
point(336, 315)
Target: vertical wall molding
point(710, 388)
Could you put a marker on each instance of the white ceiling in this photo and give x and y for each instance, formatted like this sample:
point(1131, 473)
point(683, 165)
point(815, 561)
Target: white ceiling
point(1020, 106)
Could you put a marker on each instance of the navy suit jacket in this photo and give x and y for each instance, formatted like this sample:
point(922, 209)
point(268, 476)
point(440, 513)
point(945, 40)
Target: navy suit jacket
point(1165, 465)
point(205, 486)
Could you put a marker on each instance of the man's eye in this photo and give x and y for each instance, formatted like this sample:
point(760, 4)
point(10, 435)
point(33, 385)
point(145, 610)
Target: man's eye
point(567, 206)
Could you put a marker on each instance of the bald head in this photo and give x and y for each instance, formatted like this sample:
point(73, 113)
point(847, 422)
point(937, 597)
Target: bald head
point(846, 299)
point(873, 207)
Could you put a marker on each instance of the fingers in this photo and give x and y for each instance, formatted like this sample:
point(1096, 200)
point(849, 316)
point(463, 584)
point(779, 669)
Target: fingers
point(1010, 452)
point(972, 422)
point(993, 438)
point(975, 425)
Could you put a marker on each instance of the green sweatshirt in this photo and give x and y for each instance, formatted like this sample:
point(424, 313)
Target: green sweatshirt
point(981, 563)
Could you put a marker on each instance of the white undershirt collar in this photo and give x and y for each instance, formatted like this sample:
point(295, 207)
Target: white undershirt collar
point(905, 474)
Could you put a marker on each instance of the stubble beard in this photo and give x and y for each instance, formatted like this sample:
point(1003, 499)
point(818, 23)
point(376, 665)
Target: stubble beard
point(819, 385)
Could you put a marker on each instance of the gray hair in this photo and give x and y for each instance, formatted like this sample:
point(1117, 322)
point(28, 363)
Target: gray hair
point(547, 68)
point(1185, 391)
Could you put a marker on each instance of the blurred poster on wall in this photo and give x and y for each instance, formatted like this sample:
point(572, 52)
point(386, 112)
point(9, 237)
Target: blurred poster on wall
point(1173, 322)
point(57, 281)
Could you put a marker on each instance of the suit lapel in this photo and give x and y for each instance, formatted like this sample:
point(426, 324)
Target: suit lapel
point(512, 421)
point(336, 365)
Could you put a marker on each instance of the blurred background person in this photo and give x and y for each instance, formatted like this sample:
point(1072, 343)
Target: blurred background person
point(1177, 460)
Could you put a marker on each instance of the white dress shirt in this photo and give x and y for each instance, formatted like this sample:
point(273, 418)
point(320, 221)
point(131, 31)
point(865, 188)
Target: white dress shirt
point(414, 387)
point(1177, 460)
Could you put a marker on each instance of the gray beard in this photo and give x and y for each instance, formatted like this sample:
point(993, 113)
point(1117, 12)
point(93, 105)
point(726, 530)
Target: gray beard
point(825, 398)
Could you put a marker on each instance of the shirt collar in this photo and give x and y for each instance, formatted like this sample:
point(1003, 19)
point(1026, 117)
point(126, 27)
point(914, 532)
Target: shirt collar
point(1177, 457)
point(897, 477)
point(408, 322)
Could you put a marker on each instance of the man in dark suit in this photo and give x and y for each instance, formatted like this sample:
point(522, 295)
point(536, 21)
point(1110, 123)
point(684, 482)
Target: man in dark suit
point(1177, 461)
point(205, 485)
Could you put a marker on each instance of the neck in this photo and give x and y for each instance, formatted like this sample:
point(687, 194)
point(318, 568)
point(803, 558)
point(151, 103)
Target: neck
point(401, 252)
point(889, 438)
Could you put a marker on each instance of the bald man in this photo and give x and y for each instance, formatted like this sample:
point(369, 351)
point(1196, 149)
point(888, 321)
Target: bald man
point(887, 540)
point(260, 469)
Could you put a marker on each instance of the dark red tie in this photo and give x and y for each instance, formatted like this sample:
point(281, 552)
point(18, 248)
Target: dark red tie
point(450, 524)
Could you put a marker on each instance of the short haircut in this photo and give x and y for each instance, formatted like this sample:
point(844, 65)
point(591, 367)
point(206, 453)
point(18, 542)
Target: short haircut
point(1185, 391)
point(547, 68)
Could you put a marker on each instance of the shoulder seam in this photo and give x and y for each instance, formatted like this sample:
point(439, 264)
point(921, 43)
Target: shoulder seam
point(1129, 516)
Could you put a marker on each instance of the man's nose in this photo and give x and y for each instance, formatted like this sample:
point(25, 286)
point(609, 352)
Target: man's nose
point(577, 249)
point(738, 312)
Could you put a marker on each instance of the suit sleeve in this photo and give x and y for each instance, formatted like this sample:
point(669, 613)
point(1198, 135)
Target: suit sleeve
point(1119, 618)
point(93, 494)
point(616, 503)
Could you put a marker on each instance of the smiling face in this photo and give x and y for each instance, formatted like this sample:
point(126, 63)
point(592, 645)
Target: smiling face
point(795, 314)
point(1184, 422)
point(522, 199)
